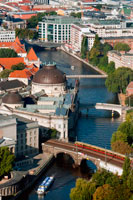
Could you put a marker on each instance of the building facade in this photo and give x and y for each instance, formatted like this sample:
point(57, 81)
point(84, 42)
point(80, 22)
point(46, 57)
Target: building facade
point(110, 28)
point(78, 31)
point(20, 135)
point(41, 2)
point(56, 29)
point(7, 36)
point(56, 105)
point(121, 59)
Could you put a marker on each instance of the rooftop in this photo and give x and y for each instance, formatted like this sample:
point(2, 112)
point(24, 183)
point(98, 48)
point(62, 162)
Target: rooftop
point(60, 19)
point(6, 85)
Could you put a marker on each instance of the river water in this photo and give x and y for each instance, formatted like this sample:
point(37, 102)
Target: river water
point(97, 129)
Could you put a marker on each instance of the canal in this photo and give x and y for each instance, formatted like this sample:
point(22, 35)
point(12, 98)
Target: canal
point(97, 129)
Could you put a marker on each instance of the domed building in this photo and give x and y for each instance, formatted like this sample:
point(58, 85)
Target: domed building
point(49, 79)
point(12, 99)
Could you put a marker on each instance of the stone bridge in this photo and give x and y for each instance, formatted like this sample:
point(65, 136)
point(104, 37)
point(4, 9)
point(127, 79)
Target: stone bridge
point(102, 160)
point(104, 106)
point(47, 45)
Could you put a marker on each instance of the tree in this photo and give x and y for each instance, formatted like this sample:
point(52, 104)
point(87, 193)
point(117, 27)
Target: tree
point(82, 191)
point(103, 192)
point(121, 147)
point(127, 128)
point(110, 67)
point(130, 180)
point(118, 135)
point(101, 176)
point(5, 73)
point(118, 81)
point(6, 161)
point(19, 66)
point(7, 53)
point(103, 63)
point(33, 21)
point(106, 47)
point(126, 169)
point(78, 15)
point(121, 47)
point(84, 47)
point(26, 33)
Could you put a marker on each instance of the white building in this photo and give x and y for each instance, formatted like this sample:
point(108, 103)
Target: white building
point(7, 36)
point(57, 106)
point(109, 28)
point(51, 80)
point(77, 33)
point(121, 59)
point(56, 29)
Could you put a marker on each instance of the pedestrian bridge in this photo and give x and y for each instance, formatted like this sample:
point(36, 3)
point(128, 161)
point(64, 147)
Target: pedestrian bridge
point(81, 76)
point(101, 157)
point(103, 106)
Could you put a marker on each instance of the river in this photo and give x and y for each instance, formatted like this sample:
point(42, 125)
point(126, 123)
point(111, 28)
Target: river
point(97, 129)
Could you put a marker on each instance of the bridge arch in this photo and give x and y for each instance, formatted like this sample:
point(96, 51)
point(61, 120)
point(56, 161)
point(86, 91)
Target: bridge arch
point(58, 153)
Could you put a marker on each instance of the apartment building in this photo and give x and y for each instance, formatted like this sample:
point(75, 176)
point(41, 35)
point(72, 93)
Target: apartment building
point(56, 28)
point(110, 28)
point(7, 35)
point(78, 31)
point(121, 59)
point(41, 2)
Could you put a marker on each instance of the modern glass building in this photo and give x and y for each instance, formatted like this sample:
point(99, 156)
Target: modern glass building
point(56, 28)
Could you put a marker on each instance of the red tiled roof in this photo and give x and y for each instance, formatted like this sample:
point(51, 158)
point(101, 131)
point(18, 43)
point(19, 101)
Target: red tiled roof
point(24, 16)
point(130, 85)
point(25, 73)
point(31, 55)
point(25, 7)
point(8, 62)
point(16, 45)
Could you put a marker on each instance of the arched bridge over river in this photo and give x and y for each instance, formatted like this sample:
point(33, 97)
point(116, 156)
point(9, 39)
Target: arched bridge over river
point(103, 106)
point(101, 157)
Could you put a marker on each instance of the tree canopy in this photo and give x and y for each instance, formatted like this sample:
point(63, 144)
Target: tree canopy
point(5, 73)
point(33, 21)
point(122, 47)
point(26, 33)
point(83, 190)
point(118, 81)
point(19, 66)
point(7, 53)
point(126, 169)
point(6, 161)
point(84, 47)
point(78, 15)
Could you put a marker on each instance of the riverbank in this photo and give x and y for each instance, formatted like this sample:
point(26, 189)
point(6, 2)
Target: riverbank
point(43, 161)
point(82, 60)
point(24, 179)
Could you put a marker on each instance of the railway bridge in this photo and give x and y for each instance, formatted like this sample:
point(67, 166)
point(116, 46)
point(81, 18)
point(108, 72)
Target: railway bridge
point(100, 157)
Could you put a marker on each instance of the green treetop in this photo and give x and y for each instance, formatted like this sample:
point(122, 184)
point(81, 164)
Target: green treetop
point(122, 47)
point(5, 73)
point(19, 66)
point(118, 81)
point(6, 161)
point(84, 47)
point(126, 169)
point(7, 53)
